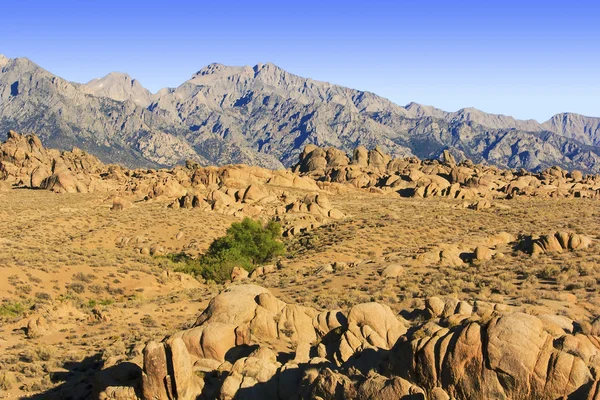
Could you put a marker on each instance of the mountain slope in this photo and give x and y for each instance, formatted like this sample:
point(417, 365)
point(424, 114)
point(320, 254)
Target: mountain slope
point(263, 115)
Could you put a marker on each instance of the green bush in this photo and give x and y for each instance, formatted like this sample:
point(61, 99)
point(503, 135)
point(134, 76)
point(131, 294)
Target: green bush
point(11, 310)
point(247, 244)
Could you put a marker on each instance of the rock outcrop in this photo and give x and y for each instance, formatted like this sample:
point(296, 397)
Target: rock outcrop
point(411, 177)
point(250, 345)
point(556, 243)
point(239, 190)
point(25, 162)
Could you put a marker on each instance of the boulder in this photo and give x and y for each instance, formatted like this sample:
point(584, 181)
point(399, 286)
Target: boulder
point(238, 274)
point(392, 271)
point(37, 327)
point(120, 203)
point(483, 253)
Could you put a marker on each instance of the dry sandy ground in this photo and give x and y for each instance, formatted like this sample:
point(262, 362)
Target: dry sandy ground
point(63, 257)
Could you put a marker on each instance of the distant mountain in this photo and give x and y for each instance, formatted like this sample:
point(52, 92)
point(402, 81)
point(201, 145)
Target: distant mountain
point(575, 126)
point(263, 115)
point(120, 87)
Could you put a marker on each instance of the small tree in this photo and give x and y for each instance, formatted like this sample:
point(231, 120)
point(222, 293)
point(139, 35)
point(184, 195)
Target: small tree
point(246, 244)
point(249, 240)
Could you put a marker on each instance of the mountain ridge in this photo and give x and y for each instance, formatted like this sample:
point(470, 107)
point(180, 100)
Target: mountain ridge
point(264, 115)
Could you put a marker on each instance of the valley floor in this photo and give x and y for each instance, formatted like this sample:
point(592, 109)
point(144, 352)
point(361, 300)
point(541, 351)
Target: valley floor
point(70, 259)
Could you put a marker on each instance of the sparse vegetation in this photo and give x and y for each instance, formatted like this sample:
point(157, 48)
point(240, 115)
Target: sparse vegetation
point(7, 380)
point(128, 298)
point(76, 287)
point(11, 309)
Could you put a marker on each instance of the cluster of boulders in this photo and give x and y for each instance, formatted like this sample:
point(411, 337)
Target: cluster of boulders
point(247, 344)
point(556, 243)
point(459, 254)
point(25, 162)
point(411, 177)
point(254, 198)
point(238, 190)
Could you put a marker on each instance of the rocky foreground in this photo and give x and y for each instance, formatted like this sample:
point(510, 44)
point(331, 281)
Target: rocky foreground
point(248, 344)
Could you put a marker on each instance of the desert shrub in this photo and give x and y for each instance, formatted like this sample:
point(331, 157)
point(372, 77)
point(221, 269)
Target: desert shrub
point(7, 380)
point(96, 289)
point(44, 353)
point(550, 272)
point(80, 276)
point(148, 321)
point(43, 296)
point(76, 287)
point(26, 289)
point(11, 310)
point(246, 244)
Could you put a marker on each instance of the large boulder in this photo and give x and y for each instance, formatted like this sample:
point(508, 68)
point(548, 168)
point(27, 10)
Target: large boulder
point(512, 356)
point(260, 347)
point(559, 242)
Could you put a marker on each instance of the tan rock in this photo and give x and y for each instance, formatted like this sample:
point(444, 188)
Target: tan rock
point(483, 253)
point(238, 274)
point(392, 271)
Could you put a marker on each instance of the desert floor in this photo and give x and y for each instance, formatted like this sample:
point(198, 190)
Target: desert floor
point(70, 259)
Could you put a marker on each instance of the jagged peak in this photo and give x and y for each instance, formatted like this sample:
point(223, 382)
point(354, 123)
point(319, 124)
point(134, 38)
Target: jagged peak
point(215, 71)
point(412, 106)
point(210, 69)
point(23, 65)
point(220, 70)
point(20, 62)
point(469, 110)
point(119, 86)
point(3, 60)
point(119, 75)
point(268, 66)
point(114, 77)
point(571, 115)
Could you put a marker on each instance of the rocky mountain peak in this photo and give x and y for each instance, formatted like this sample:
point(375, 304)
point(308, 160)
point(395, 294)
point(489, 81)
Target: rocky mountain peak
point(267, 68)
point(416, 110)
point(216, 72)
point(211, 69)
point(20, 65)
point(3, 60)
point(264, 115)
point(575, 126)
point(120, 86)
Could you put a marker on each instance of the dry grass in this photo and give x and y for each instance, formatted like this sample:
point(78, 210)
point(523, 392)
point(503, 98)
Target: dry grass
point(72, 260)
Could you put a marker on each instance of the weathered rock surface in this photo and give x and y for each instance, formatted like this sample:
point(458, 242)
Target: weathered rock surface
point(25, 162)
point(411, 177)
point(459, 350)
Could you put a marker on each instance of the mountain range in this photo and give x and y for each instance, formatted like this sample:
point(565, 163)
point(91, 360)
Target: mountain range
point(264, 115)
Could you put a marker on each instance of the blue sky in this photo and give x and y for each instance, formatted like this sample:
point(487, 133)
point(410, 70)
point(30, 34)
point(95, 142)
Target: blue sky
point(525, 59)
